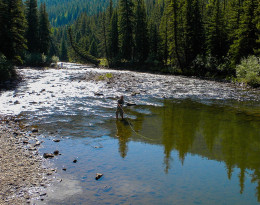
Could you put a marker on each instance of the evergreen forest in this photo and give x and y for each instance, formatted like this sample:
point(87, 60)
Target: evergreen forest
point(216, 38)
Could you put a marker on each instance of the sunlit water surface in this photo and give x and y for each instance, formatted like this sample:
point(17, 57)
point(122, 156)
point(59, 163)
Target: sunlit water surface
point(187, 141)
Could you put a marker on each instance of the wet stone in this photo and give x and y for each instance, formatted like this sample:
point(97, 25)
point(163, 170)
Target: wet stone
point(98, 176)
point(34, 130)
point(56, 152)
point(48, 155)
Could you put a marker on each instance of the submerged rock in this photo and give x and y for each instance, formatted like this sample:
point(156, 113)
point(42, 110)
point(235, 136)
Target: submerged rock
point(16, 102)
point(35, 130)
point(48, 155)
point(56, 152)
point(98, 176)
point(130, 104)
point(56, 140)
point(98, 94)
point(37, 143)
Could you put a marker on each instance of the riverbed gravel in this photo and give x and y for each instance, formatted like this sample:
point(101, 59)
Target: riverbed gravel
point(24, 175)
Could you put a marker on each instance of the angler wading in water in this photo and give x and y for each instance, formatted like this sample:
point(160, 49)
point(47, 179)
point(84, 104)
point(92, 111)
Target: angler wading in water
point(119, 108)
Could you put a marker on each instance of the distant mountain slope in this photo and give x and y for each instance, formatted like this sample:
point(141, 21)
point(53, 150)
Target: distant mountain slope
point(62, 12)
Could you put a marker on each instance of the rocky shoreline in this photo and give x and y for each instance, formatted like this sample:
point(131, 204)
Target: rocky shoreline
point(25, 174)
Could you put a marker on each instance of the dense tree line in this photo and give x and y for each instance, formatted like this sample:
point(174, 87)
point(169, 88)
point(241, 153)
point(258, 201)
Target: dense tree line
point(63, 12)
point(25, 34)
point(193, 37)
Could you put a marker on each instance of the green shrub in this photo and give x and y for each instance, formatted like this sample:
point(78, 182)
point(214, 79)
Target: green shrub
point(210, 66)
point(248, 71)
point(54, 59)
point(35, 59)
point(104, 76)
point(7, 70)
point(38, 59)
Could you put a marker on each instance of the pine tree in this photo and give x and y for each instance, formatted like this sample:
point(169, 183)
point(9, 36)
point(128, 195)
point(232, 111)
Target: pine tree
point(110, 10)
point(153, 42)
point(257, 23)
point(217, 32)
point(109, 29)
point(12, 30)
point(32, 33)
point(234, 14)
point(164, 36)
point(44, 30)
point(2, 23)
point(174, 15)
point(193, 31)
point(93, 48)
point(247, 37)
point(126, 18)
point(141, 33)
point(104, 35)
point(113, 36)
point(64, 51)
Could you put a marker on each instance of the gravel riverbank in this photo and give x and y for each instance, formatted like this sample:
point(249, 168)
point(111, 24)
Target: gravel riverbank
point(24, 174)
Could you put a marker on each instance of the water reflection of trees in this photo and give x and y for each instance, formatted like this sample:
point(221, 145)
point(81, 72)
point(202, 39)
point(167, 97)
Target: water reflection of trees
point(124, 131)
point(229, 136)
point(216, 132)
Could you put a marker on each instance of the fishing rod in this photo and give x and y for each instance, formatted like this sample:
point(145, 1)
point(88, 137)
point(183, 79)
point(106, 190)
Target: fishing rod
point(130, 124)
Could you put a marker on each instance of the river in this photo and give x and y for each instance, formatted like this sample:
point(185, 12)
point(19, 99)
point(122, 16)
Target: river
point(186, 141)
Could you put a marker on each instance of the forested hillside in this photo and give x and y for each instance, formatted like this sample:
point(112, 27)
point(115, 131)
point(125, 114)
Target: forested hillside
point(25, 36)
point(219, 38)
point(62, 12)
point(191, 37)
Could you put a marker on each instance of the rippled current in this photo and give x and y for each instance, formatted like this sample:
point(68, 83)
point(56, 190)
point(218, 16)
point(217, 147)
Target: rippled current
point(186, 141)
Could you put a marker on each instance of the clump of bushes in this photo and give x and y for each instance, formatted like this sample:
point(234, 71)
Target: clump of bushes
point(210, 66)
point(106, 76)
point(7, 70)
point(248, 71)
point(38, 59)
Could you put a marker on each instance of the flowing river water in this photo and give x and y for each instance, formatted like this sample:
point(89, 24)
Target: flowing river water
point(186, 141)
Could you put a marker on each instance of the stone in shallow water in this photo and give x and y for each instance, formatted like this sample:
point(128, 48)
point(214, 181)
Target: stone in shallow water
point(56, 140)
point(35, 130)
point(98, 176)
point(56, 152)
point(98, 94)
point(48, 155)
point(130, 104)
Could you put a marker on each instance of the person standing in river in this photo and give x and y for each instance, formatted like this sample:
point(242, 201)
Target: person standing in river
point(119, 108)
